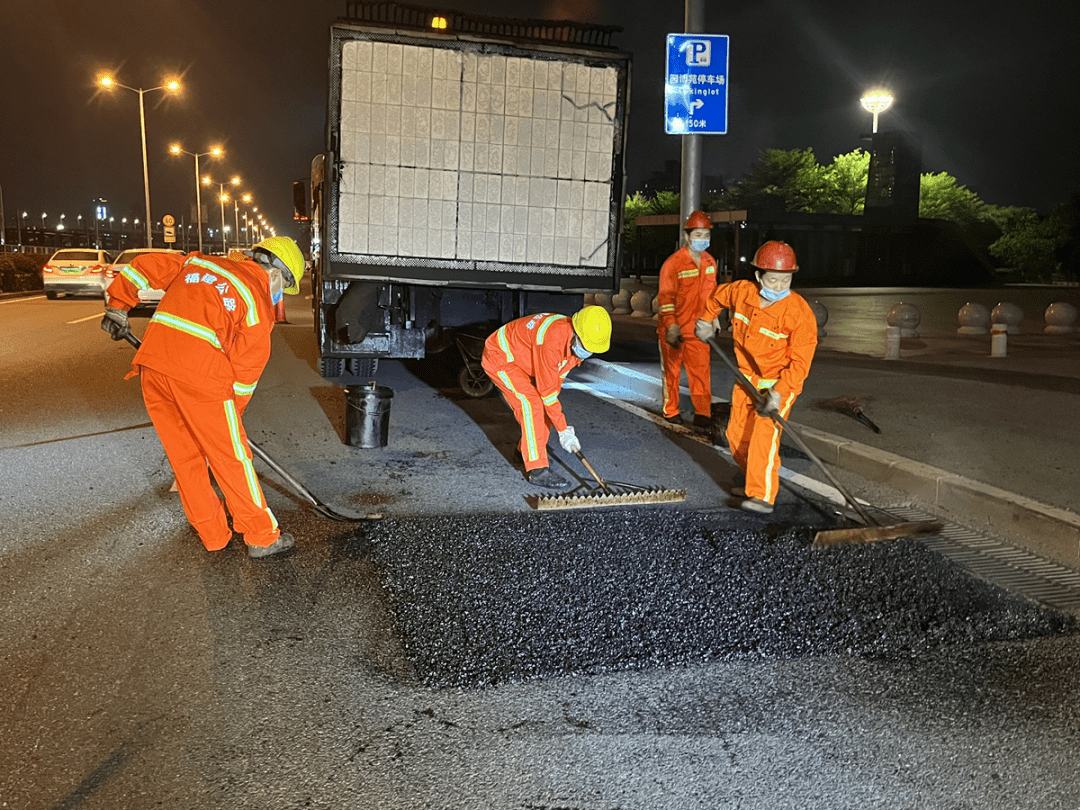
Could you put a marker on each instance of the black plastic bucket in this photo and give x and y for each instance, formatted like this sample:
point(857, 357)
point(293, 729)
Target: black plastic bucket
point(367, 415)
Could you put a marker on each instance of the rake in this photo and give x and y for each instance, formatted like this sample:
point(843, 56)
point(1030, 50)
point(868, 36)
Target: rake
point(607, 493)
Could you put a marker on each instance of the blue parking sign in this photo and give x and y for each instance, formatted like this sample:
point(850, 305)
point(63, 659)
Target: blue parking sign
point(695, 90)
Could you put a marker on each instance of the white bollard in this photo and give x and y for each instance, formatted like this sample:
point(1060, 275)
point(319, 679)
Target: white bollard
point(974, 319)
point(892, 342)
point(999, 339)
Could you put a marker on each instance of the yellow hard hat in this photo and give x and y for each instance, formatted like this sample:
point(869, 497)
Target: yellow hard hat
point(287, 251)
point(593, 327)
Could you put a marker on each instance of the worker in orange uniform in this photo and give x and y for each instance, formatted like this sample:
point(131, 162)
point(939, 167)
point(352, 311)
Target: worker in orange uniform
point(528, 359)
point(686, 280)
point(775, 335)
point(201, 357)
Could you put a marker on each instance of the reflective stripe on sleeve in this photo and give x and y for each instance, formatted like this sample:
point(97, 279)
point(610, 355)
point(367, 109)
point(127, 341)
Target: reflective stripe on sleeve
point(135, 277)
point(504, 344)
point(242, 390)
point(551, 399)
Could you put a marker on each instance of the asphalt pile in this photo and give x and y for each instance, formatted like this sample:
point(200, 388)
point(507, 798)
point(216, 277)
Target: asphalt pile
point(487, 599)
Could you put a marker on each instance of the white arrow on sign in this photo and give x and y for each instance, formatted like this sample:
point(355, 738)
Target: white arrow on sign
point(698, 103)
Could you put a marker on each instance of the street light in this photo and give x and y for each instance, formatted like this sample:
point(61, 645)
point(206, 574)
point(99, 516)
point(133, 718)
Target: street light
point(214, 152)
point(222, 198)
point(60, 227)
point(876, 102)
point(236, 215)
point(171, 86)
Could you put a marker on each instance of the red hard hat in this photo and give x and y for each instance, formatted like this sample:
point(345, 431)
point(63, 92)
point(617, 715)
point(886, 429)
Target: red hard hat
point(698, 219)
point(775, 257)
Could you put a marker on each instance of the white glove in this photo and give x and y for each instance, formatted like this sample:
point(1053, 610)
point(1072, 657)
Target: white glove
point(116, 323)
point(673, 337)
point(704, 330)
point(771, 403)
point(569, 441)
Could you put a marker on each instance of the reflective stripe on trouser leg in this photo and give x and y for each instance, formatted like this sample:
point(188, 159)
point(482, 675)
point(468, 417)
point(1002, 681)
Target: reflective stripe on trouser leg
point(524, 401)
point(212, 421)
point(671, 360)
point(763, 454)
point(202, 506)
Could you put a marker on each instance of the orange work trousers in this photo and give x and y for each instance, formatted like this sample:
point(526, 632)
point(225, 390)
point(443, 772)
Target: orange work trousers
point(198, 429)
point(694, 356)
point(754, 441)
point(524, 400)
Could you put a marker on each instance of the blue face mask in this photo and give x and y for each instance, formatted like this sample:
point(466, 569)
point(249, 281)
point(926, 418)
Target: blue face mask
point(698, 245)
point(275, 297)
point(579, 350)
point(773, 295)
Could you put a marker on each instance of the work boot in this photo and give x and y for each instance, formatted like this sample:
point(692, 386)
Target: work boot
point(674, 420)
point(701, 421)
point(756, 505)
point(286, 542)
point(738, 492)
point(546, 477)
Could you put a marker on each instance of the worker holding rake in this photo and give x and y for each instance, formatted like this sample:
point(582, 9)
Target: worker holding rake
point(528, 359)
point(775, 335)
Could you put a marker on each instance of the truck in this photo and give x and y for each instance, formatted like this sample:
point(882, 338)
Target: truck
point(473, 173)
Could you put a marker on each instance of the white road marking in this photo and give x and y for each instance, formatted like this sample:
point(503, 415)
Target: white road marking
point(89, 318)
point(27, 298)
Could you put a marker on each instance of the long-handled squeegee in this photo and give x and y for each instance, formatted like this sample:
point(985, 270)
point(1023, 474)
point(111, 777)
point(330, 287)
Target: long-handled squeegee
point(871, 531)
point(347, 516)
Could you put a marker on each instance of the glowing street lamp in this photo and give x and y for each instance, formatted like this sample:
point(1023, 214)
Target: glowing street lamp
point(171, 86)
point(876, 102)
point(236, 215)
point(215, 151)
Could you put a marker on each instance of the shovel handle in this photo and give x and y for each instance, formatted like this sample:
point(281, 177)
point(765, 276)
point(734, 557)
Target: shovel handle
point(588, 467)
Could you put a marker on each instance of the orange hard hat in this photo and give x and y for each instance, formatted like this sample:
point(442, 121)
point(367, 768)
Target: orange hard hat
point(775, 257)
point(697, 219)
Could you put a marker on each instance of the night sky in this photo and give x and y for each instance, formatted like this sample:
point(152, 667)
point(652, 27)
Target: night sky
point(991, 89)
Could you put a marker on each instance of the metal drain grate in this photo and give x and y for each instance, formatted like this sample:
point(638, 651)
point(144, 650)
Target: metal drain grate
point(1014, 569)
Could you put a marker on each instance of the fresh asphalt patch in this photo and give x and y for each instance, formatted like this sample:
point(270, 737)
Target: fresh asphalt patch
point(479, 600)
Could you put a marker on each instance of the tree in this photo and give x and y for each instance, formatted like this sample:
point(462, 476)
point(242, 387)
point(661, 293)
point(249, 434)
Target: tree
point(649, 241)
point(845, 181)
point(940, 197)
point(791, 179)
point(1029, 243)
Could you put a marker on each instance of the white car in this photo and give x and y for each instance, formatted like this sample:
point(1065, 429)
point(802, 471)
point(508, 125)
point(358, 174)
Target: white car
point(147, 298)
point(76, 271)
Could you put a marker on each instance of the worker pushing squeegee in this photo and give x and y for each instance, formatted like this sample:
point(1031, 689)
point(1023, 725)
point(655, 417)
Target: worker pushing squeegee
point(775, 335)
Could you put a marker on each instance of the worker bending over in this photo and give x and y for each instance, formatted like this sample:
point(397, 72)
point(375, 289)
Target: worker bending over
point(528, 359)
point(201, 358)
point(686, 280)
point(775, 334)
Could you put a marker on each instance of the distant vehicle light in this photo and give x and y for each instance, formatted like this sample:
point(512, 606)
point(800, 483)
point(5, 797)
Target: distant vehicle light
point(438, 22)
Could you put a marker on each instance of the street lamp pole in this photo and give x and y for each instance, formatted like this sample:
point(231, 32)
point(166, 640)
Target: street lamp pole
point(172, 86)
point(876, 102)
point(214, 152)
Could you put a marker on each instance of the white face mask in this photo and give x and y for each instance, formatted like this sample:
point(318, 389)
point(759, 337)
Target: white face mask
point(698, 245)
point(579, 350)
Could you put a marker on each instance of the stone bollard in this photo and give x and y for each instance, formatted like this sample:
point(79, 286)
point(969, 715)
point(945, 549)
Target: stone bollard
point(620, 302)
point(892, 342)
point(641, 304)
point(974, 319)
point(999, 340)
point(1060, 317)
point(656, 308)
point(907, 318)
point(590, 299)
point(603, 300)
point(821, 314)
point(1009, 315)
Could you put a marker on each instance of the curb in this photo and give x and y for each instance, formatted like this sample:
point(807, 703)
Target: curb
point(1048, 531)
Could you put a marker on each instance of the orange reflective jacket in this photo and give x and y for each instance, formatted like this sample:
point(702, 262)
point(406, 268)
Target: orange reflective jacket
point(684, 289)
point(774, 345)
point(541, 346)
point(212, 327)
